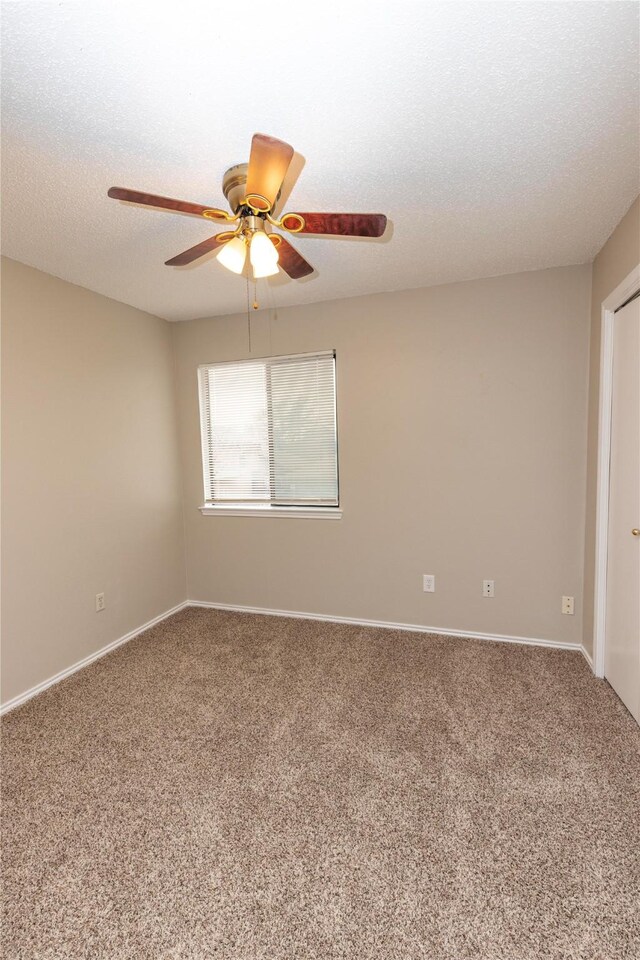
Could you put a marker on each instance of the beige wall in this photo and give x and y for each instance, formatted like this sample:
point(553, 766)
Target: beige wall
point(91, 490)
point(616, 260)
point(462, 430)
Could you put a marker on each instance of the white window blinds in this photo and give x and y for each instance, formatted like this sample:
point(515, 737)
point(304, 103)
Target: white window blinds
point(269, 431)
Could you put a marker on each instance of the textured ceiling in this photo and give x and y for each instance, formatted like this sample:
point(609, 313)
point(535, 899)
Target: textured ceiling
point(497, 137)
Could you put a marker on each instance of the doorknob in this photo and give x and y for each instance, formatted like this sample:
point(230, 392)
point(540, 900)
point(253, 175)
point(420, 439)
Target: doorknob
point(635, 532)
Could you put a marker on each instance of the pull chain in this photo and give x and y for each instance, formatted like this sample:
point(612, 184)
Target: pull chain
point(248, 315)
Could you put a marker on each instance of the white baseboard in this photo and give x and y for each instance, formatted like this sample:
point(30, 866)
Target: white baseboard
point(388, 625)
point(28, 694)
point(587, 656)
point(296, 614)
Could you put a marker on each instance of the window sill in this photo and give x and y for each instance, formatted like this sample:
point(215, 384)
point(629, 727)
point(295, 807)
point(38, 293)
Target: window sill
point(300, 513)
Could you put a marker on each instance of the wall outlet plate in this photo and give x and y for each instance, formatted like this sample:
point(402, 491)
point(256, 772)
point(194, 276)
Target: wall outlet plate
point(429, 583)
point(568, 606)
point(488, 588)
point(99, 602)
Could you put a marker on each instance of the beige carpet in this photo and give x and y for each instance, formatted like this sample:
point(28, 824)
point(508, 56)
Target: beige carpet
point(232, 786)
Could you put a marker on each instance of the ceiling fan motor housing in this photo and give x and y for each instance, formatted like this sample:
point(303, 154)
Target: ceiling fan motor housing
point(233, 185)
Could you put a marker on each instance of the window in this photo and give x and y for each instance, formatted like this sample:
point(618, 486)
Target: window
point(269, 434)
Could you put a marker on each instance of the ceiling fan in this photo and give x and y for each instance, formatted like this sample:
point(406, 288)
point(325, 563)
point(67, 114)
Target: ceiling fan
point(252, 191)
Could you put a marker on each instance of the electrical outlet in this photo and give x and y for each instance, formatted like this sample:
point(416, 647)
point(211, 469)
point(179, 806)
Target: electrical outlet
point(99, 602)
point(567, 605)
point(488, 588)
point(429, 583)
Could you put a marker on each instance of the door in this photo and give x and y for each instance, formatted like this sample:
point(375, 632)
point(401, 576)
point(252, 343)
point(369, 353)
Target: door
point(622, 636)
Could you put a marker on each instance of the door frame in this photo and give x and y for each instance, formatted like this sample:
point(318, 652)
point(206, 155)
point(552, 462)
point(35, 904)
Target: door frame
point(615, 300)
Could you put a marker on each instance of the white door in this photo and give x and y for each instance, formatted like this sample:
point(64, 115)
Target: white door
point(622, 643)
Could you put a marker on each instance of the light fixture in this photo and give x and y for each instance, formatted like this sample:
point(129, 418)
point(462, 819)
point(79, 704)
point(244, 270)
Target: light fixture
point(263, 255)
point(233, 255)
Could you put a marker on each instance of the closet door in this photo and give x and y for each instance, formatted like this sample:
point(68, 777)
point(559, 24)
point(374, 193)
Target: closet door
point(622, 643)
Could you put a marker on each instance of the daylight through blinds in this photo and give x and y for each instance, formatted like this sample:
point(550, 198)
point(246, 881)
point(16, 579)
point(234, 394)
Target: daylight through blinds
point(269, 431)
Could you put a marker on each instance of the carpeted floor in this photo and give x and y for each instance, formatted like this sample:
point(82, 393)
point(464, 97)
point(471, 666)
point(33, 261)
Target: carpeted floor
point(254, 788)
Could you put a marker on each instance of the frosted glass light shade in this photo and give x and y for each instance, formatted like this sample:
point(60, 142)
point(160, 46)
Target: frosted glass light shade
point(233, 255)
point(263, 256)
point(266, 271)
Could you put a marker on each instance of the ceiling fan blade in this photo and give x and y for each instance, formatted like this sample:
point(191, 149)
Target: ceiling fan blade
point(338, 224)
point(289, 259)
point(268, 164)
point(188, 256)
point(179, 206)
